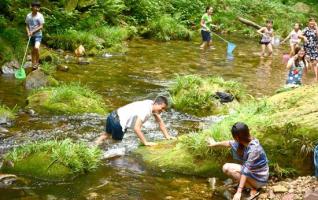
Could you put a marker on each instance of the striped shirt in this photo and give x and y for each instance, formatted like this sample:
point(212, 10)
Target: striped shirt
point(255, 162)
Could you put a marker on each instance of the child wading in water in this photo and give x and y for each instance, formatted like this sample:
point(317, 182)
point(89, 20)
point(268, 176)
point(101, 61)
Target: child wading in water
point(295, 38)
point(296, 65)
point(206, 25)
point(34, 25)
point(267, 36)
point(254, 171)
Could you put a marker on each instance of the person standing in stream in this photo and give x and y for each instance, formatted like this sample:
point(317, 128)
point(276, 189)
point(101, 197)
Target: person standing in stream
point(34, 24)
point(311, 33)
point(206, 25)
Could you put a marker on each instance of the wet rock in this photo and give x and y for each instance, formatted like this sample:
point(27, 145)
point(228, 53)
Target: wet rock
point(60, 51)
point(10, 67)
point(107, 55)
point(62, 68)
point(169, 197)
point(27, 64)
point(271, 194)
point(7, 180)
point(79, 51)
point(114, 153)
point(3, 130)
point(69, 58)
point(279, 189)
point(37, 79)
point(288, 197)
point(83, 61)
point(31, 112)
point(311, 195)
point(92, 196)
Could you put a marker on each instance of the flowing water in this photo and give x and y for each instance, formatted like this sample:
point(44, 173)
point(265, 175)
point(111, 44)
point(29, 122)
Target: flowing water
point(144, 72)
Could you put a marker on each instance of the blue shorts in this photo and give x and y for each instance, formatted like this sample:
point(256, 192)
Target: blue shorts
point(206, 36)
point(113, 126)
point(35, 39)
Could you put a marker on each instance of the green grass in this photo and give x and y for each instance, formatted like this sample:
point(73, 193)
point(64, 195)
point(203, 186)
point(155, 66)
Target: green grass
point(7, 112)
point(53, 159)
point(196, 95)
point(284, 124)
point(167, 28)
point(66, 99)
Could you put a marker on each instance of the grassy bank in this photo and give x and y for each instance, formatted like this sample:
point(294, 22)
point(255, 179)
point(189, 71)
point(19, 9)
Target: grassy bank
point(66, 99)
point(197, 95)
point(105, 25)
point(284, 124)
point(53, 160)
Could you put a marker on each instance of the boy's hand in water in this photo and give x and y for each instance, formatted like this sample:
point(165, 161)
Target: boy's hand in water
point(237, 196)
point(149, 144)
point(211, 142)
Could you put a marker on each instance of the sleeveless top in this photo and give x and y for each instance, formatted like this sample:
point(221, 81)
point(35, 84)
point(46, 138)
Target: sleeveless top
point(267, 37)
point(294, 37)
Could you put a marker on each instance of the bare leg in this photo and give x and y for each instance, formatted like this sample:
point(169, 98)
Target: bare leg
point(315, 65)
point(292, 50)
point(270, 49)
point(263, 50)
point(103, 136)
point(33, 57)
point(234, 172)
point(203, 45)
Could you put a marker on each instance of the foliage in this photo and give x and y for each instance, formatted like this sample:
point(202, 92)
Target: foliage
point(196, 95)
point(66, 99)
point(77, 157)
point(166, 28)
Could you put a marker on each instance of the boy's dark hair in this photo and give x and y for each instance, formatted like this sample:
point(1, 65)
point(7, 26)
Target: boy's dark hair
point(161, 99)
point(269, 21)
point(207, 8)
point(35, 4)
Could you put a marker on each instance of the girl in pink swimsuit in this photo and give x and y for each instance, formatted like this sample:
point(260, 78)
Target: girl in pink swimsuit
point(295, 38)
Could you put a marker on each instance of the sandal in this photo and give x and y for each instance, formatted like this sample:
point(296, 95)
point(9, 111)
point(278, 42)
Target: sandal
point(253, 196)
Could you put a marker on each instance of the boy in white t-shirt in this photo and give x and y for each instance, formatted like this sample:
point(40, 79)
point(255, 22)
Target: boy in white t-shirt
point(133, 116)
point(34, 24)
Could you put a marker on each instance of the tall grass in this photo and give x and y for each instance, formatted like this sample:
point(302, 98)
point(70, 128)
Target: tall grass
point(196, 95)
point(76, 156)
point(67, 99)
point(167, 28)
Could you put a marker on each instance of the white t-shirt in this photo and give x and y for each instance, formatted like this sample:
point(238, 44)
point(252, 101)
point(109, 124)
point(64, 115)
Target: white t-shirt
point(34, 21)
point(128, 114)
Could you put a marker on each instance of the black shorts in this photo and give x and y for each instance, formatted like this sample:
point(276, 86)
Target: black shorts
point(113, 126)
point(206, 36)
point(266, 43)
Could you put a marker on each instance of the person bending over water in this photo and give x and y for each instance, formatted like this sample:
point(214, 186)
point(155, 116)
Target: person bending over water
point(133, 116)
point(296, 66)
point(267, 36)
point(254, 171)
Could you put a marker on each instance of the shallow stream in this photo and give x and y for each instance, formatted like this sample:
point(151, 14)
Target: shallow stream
point(144, 72)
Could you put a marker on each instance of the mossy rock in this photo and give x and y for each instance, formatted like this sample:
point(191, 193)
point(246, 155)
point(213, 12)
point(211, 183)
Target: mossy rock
point(285, 124)
point(52, 160)
point(49, 56)
point(196, 95)
point(173, 158)
point(66, 99)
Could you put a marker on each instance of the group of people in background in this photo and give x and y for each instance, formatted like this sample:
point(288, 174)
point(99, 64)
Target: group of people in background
point(303, 55)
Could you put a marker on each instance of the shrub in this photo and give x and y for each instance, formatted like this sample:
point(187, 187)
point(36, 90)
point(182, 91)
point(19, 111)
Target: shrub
point(166, 28)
